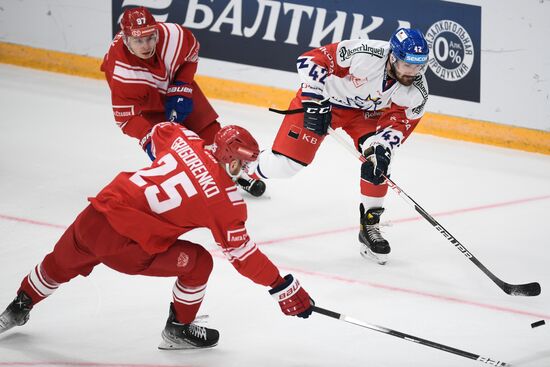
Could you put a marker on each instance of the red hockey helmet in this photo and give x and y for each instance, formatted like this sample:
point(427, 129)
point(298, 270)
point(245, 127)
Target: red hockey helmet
point(138, 22)
point(234, 142)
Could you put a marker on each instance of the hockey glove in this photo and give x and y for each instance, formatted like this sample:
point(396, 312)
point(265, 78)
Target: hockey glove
point(148, 150)
point(317, 115)
point(292, 298)
point(178, 103)
point(376, 166)
point(145, 143)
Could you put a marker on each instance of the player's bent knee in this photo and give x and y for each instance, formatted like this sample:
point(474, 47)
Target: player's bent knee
point(205, 264)
point(195, 260)
point(59, 272)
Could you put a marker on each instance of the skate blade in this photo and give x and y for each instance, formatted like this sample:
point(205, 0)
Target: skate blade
point(167, 345)
point(3, 329)
point(6, 325)
point(381, 259)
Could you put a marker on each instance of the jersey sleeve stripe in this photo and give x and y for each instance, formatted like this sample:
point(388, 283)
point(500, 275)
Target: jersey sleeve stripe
point(123, 69)
point(234, 196)
point(240, 253)
point(192, 48)
point(174, 62)
point(131, 67)
point(134, 76)
point(165, 41)
point(171, 46)
point(136, 81)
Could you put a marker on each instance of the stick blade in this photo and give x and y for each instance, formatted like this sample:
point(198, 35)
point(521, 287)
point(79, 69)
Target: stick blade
point(526, 290)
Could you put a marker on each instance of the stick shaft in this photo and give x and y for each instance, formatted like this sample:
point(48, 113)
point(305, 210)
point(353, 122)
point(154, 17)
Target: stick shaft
point(408, 337)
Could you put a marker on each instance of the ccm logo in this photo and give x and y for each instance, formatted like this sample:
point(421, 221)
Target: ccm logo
point(320, 111)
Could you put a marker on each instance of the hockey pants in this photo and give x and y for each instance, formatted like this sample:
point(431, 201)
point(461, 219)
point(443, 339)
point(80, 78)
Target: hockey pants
point(90, 241)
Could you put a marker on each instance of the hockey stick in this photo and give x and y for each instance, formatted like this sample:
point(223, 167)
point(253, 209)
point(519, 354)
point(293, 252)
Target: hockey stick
point(529, 289)
point(411, 338)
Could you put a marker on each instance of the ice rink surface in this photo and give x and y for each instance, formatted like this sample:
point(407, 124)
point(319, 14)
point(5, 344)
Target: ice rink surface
point(59, 145)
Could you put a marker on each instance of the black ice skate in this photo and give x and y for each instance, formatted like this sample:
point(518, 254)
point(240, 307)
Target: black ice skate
point(17, 313)
point(186, 336)
point(250, 185)
point(373, 245)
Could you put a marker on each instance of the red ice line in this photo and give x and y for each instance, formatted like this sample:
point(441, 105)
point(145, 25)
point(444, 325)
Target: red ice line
point(403, 220)
point(219, 254)
point(327, 232)
point(84, 364)
point(30, 221)
point(347, 280)
point(423, 294)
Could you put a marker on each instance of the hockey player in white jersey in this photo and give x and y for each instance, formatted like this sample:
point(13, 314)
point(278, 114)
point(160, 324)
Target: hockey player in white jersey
point(376, 92)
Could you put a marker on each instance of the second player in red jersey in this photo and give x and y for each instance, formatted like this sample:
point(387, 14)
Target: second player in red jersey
point(149, 61)
point(150, 67)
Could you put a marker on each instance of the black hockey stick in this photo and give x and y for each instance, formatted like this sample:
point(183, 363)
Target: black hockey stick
point(411, 338)
point(529, 289)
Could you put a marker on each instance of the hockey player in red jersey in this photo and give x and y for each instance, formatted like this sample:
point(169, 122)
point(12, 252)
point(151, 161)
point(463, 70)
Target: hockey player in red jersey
point(150, 68)
point(133, 225)
point(376, 92)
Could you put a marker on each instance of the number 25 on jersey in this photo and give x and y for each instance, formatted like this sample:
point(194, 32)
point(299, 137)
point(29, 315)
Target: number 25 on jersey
point(167, 164)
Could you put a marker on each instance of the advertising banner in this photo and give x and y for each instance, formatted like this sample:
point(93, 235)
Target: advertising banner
point(272, 34)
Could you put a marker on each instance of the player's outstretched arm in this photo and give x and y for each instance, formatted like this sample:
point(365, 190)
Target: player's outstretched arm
point(252, 263)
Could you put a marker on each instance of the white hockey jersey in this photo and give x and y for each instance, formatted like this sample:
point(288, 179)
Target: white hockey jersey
point(352, 74)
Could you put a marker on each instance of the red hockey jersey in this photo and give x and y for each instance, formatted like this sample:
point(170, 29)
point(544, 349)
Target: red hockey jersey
point(185, 188)
point(138, 86)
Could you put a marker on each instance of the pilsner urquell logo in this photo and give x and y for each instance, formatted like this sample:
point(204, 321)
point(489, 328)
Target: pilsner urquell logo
point(346, 53)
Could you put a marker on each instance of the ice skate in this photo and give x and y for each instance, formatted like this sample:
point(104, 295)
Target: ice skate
point(253, 187)
point(186, 336)
point(373, 245)
point(17, 313)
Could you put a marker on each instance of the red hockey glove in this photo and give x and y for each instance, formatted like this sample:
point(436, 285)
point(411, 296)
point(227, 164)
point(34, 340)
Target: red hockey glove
point(292, 298)
point(376, 165)
point(317, 115)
